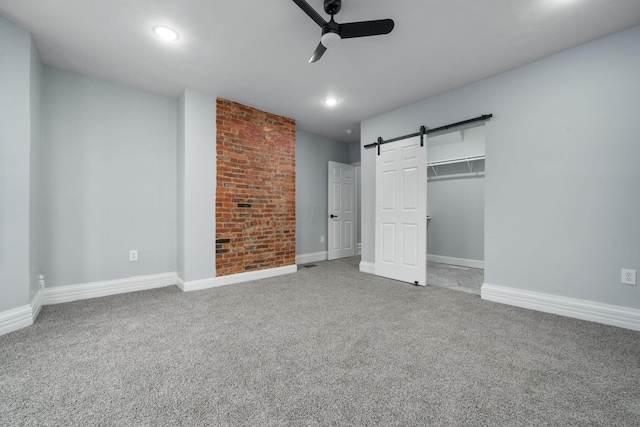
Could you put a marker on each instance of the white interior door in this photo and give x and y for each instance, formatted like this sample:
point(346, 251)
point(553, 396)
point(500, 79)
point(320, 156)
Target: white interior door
point(401, 211)
point(341, 234)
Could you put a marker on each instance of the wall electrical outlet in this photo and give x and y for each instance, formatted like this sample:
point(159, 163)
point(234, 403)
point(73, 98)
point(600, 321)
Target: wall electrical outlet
point(628, 277)
point(321, 239)
point(133, 255)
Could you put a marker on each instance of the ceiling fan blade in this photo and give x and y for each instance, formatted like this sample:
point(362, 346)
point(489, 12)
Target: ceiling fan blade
point(311, 12)
point(365, 28)
point(318, 53)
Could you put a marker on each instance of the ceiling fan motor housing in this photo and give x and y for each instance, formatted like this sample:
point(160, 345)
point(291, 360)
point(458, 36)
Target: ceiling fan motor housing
point(332, 7)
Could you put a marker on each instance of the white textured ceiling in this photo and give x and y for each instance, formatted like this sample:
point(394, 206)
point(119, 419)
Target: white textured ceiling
point(255, 52)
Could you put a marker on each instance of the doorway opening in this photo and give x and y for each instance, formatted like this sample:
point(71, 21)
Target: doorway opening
point(455, 209)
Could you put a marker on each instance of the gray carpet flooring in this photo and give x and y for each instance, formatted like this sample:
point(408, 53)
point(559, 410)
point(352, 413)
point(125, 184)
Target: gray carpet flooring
point(324, 346)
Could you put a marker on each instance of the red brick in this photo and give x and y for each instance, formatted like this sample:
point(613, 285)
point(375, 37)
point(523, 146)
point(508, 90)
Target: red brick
point(255, 165)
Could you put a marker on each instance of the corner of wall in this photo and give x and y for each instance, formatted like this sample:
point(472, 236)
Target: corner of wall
point(196, 184)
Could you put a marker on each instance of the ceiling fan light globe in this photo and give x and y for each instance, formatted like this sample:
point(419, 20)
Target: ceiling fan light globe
point(330, 40)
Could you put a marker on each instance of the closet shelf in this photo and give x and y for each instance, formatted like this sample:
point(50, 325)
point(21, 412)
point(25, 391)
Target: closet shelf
point(468, 160)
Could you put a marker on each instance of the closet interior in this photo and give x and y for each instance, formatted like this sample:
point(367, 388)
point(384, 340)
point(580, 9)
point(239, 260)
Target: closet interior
point(455, 208)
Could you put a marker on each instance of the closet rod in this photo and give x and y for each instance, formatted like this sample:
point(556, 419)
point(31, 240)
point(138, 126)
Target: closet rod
point(424, 131)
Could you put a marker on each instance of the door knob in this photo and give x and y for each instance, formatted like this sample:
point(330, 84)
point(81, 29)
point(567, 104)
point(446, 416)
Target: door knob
point(333, 216)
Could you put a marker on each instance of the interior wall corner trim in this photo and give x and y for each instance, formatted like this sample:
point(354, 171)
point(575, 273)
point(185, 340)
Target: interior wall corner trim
point(36, 304)
point(180, 283)
point(607, 314)
point(367, 267)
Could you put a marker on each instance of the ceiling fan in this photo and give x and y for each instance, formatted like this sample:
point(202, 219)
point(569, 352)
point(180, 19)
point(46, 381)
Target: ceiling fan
point(332, 32)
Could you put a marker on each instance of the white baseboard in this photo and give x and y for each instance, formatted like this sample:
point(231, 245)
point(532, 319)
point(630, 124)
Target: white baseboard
point(367, 267)
point(312, 257)
point(623, 317)
point(473, 263)
point(196, 285)
point(36, 304)
point(60, 294)
point(14, 319)
point(358, 248)
point(21, 317)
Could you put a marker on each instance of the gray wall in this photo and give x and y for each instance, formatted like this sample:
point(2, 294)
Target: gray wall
point(196, 185)
point(354, 157)
point(180, 196)
point(109, 180)
point(15, 162)
point(455, 201)
point(561, 197)
point(313, 153)
point(35, 181)
point(358, 203)
point(354, 152)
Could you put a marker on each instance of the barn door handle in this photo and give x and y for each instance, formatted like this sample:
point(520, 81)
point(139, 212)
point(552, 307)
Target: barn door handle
point(333, 216)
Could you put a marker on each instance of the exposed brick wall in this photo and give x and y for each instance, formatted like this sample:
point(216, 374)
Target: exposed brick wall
point(255, 193)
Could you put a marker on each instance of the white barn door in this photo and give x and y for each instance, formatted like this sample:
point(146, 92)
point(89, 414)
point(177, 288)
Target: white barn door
point(401, 211)
point(341, 240)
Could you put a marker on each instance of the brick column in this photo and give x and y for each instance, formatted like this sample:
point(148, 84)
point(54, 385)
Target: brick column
point(255, 193)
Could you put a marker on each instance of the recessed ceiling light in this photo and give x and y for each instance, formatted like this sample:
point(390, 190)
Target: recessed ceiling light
point(331, 101)
point(166, 33)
